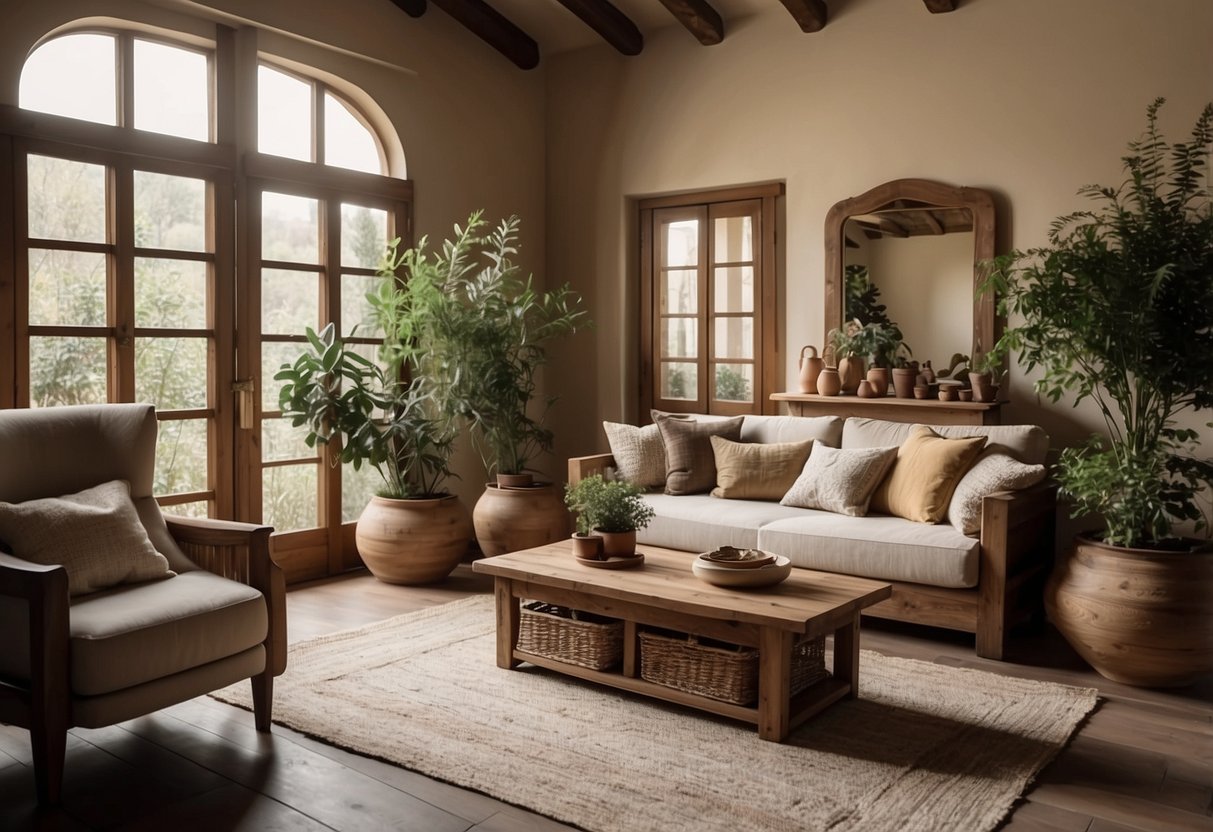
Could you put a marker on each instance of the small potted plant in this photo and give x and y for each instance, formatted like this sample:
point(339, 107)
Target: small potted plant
point(611, 510)
point(985, 374)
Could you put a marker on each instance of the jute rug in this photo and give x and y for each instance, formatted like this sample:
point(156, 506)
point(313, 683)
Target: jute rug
point(925, 747)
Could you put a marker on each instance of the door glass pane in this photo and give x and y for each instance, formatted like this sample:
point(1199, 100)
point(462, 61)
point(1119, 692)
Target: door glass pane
point(66, 200)
point(734, 338)
point(734, 239)
point(357, 316)
point(171, 372)
point(66, 370)
point(679, 380)
point(290, 301)
point(734, 383)
point(679, 338)
point(72, 76)
point(363, 236)
point(279, 440)
point(273, 355)
point(66, 288)
point(284, 115)
point(196, 509)
point(347, 142)
point(170, 294)
point(290, 228)
point(289, 497)
point(682, 243)
point(679, 292)
point(172, 91)
point(357, 488)
point(170, 211)
point(734, 289)
point(181, 457)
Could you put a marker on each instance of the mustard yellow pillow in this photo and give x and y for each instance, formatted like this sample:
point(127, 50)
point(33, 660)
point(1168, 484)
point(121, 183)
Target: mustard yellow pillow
point(756, 471)
point(920, 484)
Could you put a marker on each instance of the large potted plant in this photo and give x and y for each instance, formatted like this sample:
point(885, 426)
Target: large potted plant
point(1118, 309)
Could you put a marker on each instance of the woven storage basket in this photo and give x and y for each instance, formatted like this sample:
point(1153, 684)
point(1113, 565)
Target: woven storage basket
point(728, 673)
point(588, 640)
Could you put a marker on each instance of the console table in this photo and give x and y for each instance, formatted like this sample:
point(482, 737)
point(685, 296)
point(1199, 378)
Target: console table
point(927, 411)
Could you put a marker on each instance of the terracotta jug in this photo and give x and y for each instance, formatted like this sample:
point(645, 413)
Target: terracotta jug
point(810, 369)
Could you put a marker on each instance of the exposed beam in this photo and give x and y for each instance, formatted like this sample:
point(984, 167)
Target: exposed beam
point(932, 223)
point(413, 8)
point(495, 29)
point(940, 6)
point(809, 14)
point(615, 27)
point(700, 19)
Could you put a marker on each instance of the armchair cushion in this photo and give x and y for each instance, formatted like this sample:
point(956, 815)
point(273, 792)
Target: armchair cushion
point(95, 534)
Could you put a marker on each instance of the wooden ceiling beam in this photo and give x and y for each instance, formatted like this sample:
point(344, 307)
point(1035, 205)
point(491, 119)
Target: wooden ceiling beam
point(413, 8)
point(940, 6)
point(495, 29)
point(809, 14)
point(699, 18)
point(615, 27)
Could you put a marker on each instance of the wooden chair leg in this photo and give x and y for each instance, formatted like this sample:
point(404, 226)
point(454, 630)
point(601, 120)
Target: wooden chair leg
point(263, 699)
point(48, 742)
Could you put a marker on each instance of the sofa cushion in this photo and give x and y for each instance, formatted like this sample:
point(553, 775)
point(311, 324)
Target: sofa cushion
point(757, 471)
point(838, 480)
point(1027, 443)
point(992, 472)
point(639, 453)
point(700, 523)
point(885, 548)
point(771, 429)
point(690, 463)
point(928, 467)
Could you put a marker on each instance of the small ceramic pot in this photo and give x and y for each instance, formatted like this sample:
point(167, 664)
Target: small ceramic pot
point(948, 393)
point(828, 383)
point(587, 546)
point(878, 378)
point(865, 391)
point(966, 395)
point(921, 391)
point(618, 544)
point(515, 480)
point(904, 379)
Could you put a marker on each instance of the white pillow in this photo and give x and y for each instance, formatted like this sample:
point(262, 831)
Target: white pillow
point(639, 453)
point(95, 534)
point(841, 481)
point(992, 472)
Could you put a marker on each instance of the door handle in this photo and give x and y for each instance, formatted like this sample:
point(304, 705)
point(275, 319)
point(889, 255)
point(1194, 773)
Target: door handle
point(244, 390)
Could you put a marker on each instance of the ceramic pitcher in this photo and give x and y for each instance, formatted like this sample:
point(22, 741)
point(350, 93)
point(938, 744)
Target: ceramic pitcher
point(810, 369)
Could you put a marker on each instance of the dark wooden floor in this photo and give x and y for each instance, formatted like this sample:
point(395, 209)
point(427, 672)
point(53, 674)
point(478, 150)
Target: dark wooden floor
point(1142, 761)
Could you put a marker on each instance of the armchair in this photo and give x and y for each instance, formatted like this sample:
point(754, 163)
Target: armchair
point(102, 657)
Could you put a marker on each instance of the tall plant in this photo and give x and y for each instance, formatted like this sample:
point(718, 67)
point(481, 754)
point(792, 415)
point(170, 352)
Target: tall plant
point(1118, 309)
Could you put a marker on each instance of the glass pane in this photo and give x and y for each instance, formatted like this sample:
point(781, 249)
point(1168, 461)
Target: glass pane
point(357, 317)
point(734, 338)
point(72, 76)
point(198, 509)
point(290, 301)
point(679, 290)
point(734, 239)
point(281, 441)
point(735, 289)
point(682, 243)
point(347, 141)
point(66, 200)
point(170, 294)
point(170, 211)
point(181, 457)
point(66, 288)
point(679, 338)
point(357, 488)
point(172, 91)
point(679, 381)
point(171, 372)
point(363, 236)
point(734, 382)
point(273, 355)
point(289, 497)
point(66, 370)
point(284, 115)
point(290, 228)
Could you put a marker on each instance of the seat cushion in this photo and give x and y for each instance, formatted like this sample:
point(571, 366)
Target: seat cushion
point(1027, 443)
point(133, 634)
point(699, 523)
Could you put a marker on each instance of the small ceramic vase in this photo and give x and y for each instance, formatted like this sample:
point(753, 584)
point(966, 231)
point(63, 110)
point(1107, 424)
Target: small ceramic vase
point(810, 368)
point(864, 390)
point(850, 373)
point(947, 394)
point(966, 395)
point(878, 377)
point(828, 383)
point(921, 391)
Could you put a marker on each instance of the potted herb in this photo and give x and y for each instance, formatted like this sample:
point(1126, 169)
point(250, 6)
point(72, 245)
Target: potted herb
point(1117, 309)
point(613, 510)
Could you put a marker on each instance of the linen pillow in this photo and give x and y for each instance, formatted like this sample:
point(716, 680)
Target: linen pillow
point(95, 534)
point(754, 471)
point(926, 472)
point(991, 473)
point(639, 453)
point(690, 465)
point(839, 481)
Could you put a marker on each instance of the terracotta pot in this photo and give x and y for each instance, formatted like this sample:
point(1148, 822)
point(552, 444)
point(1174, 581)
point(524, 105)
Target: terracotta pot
point(865, 390)
point(1138, 616)
point(828, 383)
point(509, 519)
point(810, 369)
point(878, 378)
point(921, 391)
point(903, 381)
point(981, 387)
point(588, 546)
point(947, 393)
point(413, 541)
point(515, 480)
point(850, 373)
point(618, 544)
point(966, 395)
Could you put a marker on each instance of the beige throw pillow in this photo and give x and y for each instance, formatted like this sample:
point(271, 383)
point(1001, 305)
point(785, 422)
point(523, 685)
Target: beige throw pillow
point(95, 534)
point(993, 472)
point(840, 481)
point(639, 453)
point(755, 471)
point(690, 464)
point(926, 472)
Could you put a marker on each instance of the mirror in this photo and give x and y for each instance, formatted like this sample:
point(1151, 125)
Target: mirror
point(918, 244)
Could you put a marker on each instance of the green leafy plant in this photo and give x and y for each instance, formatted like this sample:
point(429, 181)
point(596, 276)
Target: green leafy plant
point(1118, 309)
point(881, 344)
point(862, 298)
point(614, 506)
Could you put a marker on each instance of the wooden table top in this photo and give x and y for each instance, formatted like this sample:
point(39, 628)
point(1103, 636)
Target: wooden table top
point(666, 580)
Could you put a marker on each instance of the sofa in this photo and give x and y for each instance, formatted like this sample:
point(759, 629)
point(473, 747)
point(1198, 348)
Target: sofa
point(982, 582)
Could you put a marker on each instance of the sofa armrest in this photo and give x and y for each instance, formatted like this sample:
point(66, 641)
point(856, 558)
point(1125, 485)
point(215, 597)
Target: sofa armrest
point(581, 467)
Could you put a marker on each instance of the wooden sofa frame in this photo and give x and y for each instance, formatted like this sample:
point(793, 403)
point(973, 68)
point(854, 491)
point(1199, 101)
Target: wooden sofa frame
point(1018, 530)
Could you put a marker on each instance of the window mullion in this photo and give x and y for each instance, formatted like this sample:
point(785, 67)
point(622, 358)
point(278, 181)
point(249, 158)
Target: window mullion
point(125, 67)
point(121, 280)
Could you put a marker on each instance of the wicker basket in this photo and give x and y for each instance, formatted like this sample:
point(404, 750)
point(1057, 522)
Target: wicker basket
point(726, 672)
point(570, 636)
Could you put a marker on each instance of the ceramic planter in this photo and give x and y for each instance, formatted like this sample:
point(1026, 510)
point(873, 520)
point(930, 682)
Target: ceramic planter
point(878, 379)
point(618, 544)
point(509, 519)
point(904, 381)
point(828, 383)
point(587, 546)
point(413, 541)
point(850, 373)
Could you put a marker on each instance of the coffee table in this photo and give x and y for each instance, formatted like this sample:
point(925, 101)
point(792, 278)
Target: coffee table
point(663, 593)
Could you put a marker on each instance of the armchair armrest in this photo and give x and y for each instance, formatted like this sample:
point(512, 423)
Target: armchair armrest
point(581, 467)
point(44, 591)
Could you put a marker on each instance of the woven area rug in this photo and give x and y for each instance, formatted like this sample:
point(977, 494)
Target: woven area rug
point(924, 747)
